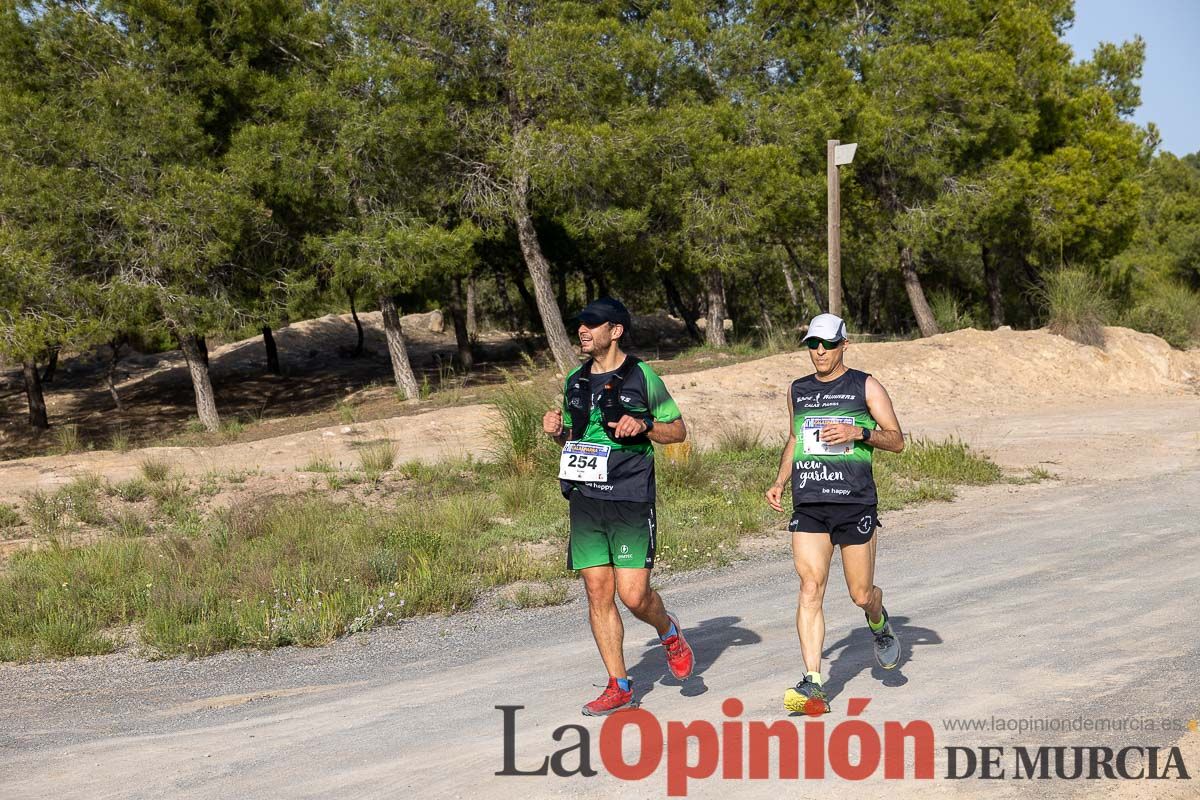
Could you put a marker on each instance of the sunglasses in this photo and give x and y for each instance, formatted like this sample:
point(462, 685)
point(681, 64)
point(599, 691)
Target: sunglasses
point(814, 343)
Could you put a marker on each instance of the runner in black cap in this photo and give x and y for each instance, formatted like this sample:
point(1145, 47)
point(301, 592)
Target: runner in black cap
point(836, 417)
point(614, 408)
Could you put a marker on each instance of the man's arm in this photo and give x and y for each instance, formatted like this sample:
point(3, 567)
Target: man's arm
point(662, 432)
point(775, 493)
point(887, 436)
point(552, 424)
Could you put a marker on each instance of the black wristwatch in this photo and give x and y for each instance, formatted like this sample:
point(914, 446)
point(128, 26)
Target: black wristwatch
point(649, 424)
point(866, 434)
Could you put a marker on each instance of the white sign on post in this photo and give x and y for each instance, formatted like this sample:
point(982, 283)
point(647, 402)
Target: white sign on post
point(844, 153)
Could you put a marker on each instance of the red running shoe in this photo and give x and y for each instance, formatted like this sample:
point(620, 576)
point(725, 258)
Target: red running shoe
point(613, 698)
point(679, 654)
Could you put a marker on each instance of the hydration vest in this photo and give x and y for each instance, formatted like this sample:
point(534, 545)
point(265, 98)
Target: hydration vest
point(579, 401)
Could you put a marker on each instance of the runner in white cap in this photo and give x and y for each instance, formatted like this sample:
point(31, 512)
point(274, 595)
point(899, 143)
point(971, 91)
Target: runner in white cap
point(836, 417)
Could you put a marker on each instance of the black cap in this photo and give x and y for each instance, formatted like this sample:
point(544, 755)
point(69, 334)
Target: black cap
point(604, 310)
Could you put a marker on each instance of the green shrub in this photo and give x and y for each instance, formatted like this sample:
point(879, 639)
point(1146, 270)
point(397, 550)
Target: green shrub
point(81, 500)
point(1077, 305)
point(949, 313)
point(518, 441)
point(46, 513)
point(118, 440)
point(131, 491)
point(66, 439)
point(9, 518)
point(538, 597)
point(155, 470)
point(377, 458)
point(1169, 310)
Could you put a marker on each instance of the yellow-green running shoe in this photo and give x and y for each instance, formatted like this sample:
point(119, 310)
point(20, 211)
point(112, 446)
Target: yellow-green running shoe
point(806, 697)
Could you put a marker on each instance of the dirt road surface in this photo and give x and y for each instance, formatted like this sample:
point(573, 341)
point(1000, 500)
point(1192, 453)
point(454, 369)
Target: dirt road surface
point(1044, 601)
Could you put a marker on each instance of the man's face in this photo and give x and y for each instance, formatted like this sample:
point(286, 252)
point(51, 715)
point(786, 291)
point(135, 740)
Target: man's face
point(826, 358)
point(597, 338)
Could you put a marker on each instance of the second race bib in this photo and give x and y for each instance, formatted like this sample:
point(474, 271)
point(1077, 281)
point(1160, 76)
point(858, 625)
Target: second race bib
point(582, 461)
point(813, 446)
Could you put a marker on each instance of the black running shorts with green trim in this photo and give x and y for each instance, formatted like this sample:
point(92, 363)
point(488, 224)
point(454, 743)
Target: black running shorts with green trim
point(617, 532)
point(846, 523)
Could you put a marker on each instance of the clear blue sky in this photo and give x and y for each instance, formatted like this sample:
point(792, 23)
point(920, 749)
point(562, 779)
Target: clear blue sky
point(1171, 77)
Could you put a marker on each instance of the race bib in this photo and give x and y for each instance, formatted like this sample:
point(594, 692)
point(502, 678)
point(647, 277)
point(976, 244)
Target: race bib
point(584, 462)
point(813, 446)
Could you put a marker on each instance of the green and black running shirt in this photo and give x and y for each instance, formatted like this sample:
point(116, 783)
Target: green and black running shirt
point(821, 473)
point(630, 466)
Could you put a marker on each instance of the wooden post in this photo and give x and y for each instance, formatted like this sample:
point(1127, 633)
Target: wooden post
point(834, 210)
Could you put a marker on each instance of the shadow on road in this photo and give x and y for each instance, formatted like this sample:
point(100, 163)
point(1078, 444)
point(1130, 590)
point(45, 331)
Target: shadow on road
point(709, 640)
point(857, 655)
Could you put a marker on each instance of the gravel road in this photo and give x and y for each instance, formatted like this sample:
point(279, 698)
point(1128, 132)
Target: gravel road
point(1060, 600)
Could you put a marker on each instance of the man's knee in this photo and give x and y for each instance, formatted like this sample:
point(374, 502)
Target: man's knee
point(600, 590)
point(636, 598)
point(862, 597)
point(811, 591)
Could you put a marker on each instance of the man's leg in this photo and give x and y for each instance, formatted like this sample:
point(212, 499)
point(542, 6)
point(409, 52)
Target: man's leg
point(607, 628)
point(633, 586)
point(858, 564)
point(812, 553)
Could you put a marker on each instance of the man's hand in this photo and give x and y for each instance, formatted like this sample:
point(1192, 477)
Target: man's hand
point(552, 423)
point(627, 426)
point(838, 433)
point(775, 496)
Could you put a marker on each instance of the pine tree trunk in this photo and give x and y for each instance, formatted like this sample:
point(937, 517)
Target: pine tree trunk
point(33, 392)
point(358, 347)
point(203, 344)
point(916, 295)
point(714, 333)
point(458, 315)
point(206, 404)
point(531, 306)
point(813, 284)
point(406, 381)
point(791, 285)
point(675, 300)
point(472, 312)
point(51, 366)
point(111, 374)
point(506, 306)
point(272, 351)
point(539, 273)
point(991, 277)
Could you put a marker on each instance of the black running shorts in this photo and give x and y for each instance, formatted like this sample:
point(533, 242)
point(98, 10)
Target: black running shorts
point(846, 523)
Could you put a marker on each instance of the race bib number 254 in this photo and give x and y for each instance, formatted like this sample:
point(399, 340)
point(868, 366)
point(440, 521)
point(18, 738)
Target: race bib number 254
point(582, 461)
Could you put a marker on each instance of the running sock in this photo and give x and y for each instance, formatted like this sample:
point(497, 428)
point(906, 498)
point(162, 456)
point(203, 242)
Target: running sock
point(623, 683)
point(815, 677)
point(876, 627)
point(670, 632)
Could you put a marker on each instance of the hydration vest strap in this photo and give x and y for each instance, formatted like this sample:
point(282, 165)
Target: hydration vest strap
point(579, 400)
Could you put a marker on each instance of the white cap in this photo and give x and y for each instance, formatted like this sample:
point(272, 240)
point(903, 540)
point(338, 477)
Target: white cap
point(826, 326)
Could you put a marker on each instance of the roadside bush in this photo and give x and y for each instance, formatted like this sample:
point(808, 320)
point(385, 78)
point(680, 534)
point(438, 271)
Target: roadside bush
point(1169, 310)
point(1077, 305)
point(950, 314)
point(377, 458)
point(9, 518)
point(518, 442)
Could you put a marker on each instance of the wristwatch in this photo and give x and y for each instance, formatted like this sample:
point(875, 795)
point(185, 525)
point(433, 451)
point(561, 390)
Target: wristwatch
point(649, 424)
point(866, 434)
